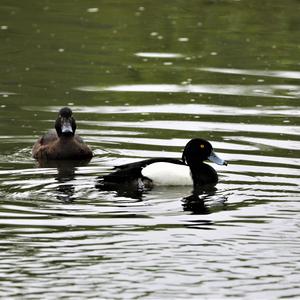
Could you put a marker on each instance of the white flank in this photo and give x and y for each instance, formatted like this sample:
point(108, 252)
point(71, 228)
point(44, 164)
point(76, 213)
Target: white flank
point(163, 173)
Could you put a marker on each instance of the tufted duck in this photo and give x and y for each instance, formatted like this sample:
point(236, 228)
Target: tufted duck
point(62, 143)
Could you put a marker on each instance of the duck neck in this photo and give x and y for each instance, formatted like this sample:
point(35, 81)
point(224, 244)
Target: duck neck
point(66, 137)
point(203, 174)
point(196, 170)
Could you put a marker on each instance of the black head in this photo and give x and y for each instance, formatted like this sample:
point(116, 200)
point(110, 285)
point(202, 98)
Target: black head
point(198, 150)
point(65, 124)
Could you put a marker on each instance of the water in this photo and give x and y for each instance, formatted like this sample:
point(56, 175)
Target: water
point(142, 79)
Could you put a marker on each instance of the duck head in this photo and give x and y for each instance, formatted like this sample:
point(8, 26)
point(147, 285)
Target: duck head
point(65, 124)
point(198, 150)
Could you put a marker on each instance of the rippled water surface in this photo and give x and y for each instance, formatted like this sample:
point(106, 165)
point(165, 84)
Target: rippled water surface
point(144, 77)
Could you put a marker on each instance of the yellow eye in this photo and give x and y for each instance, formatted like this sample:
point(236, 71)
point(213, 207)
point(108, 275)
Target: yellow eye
point(202, 146)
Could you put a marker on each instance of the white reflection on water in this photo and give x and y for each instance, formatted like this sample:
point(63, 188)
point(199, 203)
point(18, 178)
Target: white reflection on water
point(202, 126)
point(262, 90)
point(2, 93)
point(265, 73)
point(175, 142)
point(283, 144)
point(192, 109)
point(158, 55)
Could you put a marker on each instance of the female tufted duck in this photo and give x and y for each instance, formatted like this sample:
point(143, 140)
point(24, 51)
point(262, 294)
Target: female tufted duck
point(191, 170)
point(62, 143)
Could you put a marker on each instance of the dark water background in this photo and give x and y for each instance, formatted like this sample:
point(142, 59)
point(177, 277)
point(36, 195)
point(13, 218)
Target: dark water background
point(143, 77)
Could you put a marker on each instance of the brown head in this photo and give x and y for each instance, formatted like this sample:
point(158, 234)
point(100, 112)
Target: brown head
point(65, 124)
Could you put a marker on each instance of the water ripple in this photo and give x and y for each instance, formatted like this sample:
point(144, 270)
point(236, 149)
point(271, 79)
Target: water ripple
point(262, 90)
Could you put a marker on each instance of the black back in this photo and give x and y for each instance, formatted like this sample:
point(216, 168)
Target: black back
point(131, 171)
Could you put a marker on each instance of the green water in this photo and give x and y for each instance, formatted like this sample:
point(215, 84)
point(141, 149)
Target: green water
point(144, 77)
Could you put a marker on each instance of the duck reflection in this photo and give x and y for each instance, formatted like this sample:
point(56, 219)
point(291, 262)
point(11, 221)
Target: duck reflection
point(203, 200)
point(126, 189)
point(66, 170)
point(195, 204)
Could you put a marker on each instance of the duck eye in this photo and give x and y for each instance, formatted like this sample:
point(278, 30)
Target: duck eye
point(201, 146)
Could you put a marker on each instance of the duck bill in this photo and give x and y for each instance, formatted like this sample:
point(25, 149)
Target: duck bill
point(66, 128)
point(216, 159)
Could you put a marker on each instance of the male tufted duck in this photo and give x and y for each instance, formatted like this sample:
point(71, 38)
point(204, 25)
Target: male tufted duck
point(62, 143)
point(191, 170)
